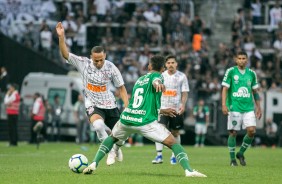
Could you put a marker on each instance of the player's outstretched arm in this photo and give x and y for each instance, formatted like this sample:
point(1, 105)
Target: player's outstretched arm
point(62, 45)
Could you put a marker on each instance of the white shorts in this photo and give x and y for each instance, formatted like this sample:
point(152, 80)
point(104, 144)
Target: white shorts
point(238, 119)
point(200, 128)
point(153, 131)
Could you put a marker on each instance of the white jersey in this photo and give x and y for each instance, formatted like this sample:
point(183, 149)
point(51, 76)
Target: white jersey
point(174, 84)
point(97, 82)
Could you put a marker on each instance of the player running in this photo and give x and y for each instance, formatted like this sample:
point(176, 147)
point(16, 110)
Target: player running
point(141, 117)
point(240, 87)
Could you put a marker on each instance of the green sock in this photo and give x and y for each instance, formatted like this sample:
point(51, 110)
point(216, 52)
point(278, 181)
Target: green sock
point(231, 146)
point(197, 139)
point(203, 139)
point(104, 148)
point(247, 141)
point(181, 156)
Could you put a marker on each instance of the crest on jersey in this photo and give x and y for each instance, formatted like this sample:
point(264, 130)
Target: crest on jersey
point(249, 83)
point(236, 78)
point(234, 123)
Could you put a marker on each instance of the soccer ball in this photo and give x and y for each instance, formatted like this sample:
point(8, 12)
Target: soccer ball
point(77, 163)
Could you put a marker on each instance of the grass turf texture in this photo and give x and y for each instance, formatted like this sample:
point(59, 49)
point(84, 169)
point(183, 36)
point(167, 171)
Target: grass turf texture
point(49, 165)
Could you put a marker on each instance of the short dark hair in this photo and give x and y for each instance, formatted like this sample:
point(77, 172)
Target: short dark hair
point(242, 53)
point(157, 62)
point(97, 49)
point(170, 57)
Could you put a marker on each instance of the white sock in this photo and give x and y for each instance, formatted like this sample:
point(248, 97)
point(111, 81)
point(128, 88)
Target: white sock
point(99, 127)
point(178, 139)
point(159, 148)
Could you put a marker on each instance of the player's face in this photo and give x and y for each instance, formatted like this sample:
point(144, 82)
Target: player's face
point(98, 59)
point(171, 65)
point(241, 61)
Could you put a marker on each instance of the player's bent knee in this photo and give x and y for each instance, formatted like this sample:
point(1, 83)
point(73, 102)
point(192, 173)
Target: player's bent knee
point(233, 133)
point(169, 141)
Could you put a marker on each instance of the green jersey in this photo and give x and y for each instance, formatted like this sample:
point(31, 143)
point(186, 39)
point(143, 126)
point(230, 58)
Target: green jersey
point(200, 113)
point(144, 105)
point(240, 96)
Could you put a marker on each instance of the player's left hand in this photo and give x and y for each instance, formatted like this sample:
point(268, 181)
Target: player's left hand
point(258, 113)
point(181, 109)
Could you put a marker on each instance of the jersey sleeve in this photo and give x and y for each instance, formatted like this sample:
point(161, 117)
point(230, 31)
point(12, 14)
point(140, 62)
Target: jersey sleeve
point(184, 86)
point(157, 77)
point(227, 78)
point(77, 61)
point(117, 78)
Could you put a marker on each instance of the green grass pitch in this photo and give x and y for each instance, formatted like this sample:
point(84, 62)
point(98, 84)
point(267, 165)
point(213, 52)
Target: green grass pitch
point(49, 165)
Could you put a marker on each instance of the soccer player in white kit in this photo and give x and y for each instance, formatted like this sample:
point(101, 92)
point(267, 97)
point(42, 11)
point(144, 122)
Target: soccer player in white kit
point(97, 74)
point(175, 97)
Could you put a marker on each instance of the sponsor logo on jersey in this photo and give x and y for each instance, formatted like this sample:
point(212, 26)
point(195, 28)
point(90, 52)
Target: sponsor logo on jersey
point(131, 118)
point(133, 111)
point(143, 82)
point(170, 92)
point(96, 89)
point(242, 92)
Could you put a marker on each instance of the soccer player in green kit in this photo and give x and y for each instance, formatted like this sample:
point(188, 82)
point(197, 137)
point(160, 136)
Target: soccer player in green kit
point(239, 95)
point(141, 116)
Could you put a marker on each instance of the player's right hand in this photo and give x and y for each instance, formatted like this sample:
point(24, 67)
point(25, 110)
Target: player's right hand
point(224, 110)
point(60, 29)
point(168, 112)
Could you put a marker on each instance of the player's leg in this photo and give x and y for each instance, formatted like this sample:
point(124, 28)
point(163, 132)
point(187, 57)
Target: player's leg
point(104, 148)
point(159, 146)
point(176, 136)
point(157, 133)
point(204, 132)
point(198, 134)
point(138, 140)
point(175, 125)
point(231, 143)
point(119, 133)
point(249, 122)
point(111, 118)
point(96, 118)
point(233, 125)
